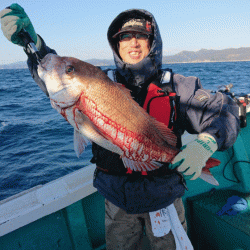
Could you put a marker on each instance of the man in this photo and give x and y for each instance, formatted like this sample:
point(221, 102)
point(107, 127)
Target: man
point(131, 196)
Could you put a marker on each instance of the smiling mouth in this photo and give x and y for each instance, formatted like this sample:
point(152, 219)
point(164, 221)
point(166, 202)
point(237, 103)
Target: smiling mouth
point(134, 53)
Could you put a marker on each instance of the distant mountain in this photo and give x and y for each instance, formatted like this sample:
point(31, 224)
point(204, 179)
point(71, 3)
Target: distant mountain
point(23, 65)
point(101, 62)
point(18, 65)
point(203, 55)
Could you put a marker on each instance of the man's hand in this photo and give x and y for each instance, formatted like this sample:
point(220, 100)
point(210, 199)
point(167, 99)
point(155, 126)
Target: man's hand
point(194, 156)
point(13, 20)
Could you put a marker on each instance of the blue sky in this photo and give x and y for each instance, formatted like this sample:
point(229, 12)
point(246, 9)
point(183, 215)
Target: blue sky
point(78, 28)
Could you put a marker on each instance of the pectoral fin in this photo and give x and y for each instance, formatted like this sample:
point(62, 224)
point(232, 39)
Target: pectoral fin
point(90, 133)
point(80, 142)
point(208, 177)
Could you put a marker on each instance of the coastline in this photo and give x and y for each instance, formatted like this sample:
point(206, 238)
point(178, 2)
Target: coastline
point(206, 62)
point(241, 54)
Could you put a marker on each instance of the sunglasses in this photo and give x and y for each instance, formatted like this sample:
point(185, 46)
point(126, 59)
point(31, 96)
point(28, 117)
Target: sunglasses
point(129, 36)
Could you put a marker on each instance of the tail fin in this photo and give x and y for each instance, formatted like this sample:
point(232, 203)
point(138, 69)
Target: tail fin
point(211, 162)
point(206, 174)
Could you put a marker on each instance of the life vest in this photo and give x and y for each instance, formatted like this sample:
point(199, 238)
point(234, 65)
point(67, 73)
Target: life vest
point(160, 102)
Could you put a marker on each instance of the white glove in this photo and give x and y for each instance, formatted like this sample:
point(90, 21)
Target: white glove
point(194, 156)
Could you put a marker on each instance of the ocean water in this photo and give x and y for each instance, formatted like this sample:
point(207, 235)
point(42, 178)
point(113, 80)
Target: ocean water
point(36, 143)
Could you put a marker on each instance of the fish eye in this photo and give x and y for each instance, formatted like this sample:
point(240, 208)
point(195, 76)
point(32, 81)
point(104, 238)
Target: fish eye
point(70, 69)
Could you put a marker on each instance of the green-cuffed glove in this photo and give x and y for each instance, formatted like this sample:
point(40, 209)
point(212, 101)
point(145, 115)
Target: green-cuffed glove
point(13, 20)
point(194, 156)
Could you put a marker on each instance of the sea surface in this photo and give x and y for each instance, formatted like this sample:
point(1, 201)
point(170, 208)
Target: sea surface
point(36, 143)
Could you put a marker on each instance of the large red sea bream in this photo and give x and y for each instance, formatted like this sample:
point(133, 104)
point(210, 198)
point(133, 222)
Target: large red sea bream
point(104, 112)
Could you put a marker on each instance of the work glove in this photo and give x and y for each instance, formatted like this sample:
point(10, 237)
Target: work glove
point(13, 20)
point(194, 155)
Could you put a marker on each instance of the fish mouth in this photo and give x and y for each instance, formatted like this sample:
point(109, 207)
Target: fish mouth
point(40, 70)
point(45, 64)
point(47, 59)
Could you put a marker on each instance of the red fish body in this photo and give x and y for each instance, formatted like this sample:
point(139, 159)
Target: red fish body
point(104, 112)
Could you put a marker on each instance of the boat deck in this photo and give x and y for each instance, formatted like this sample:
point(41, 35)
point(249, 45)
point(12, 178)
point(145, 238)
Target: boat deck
point(68, 213)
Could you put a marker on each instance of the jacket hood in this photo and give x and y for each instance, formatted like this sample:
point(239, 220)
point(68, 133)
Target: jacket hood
point(137, 74)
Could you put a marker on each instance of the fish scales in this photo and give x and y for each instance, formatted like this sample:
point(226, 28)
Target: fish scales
point(137, 145)
point(128, 111)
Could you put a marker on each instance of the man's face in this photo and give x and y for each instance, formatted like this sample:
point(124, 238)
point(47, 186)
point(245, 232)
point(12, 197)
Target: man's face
point(133, 49)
